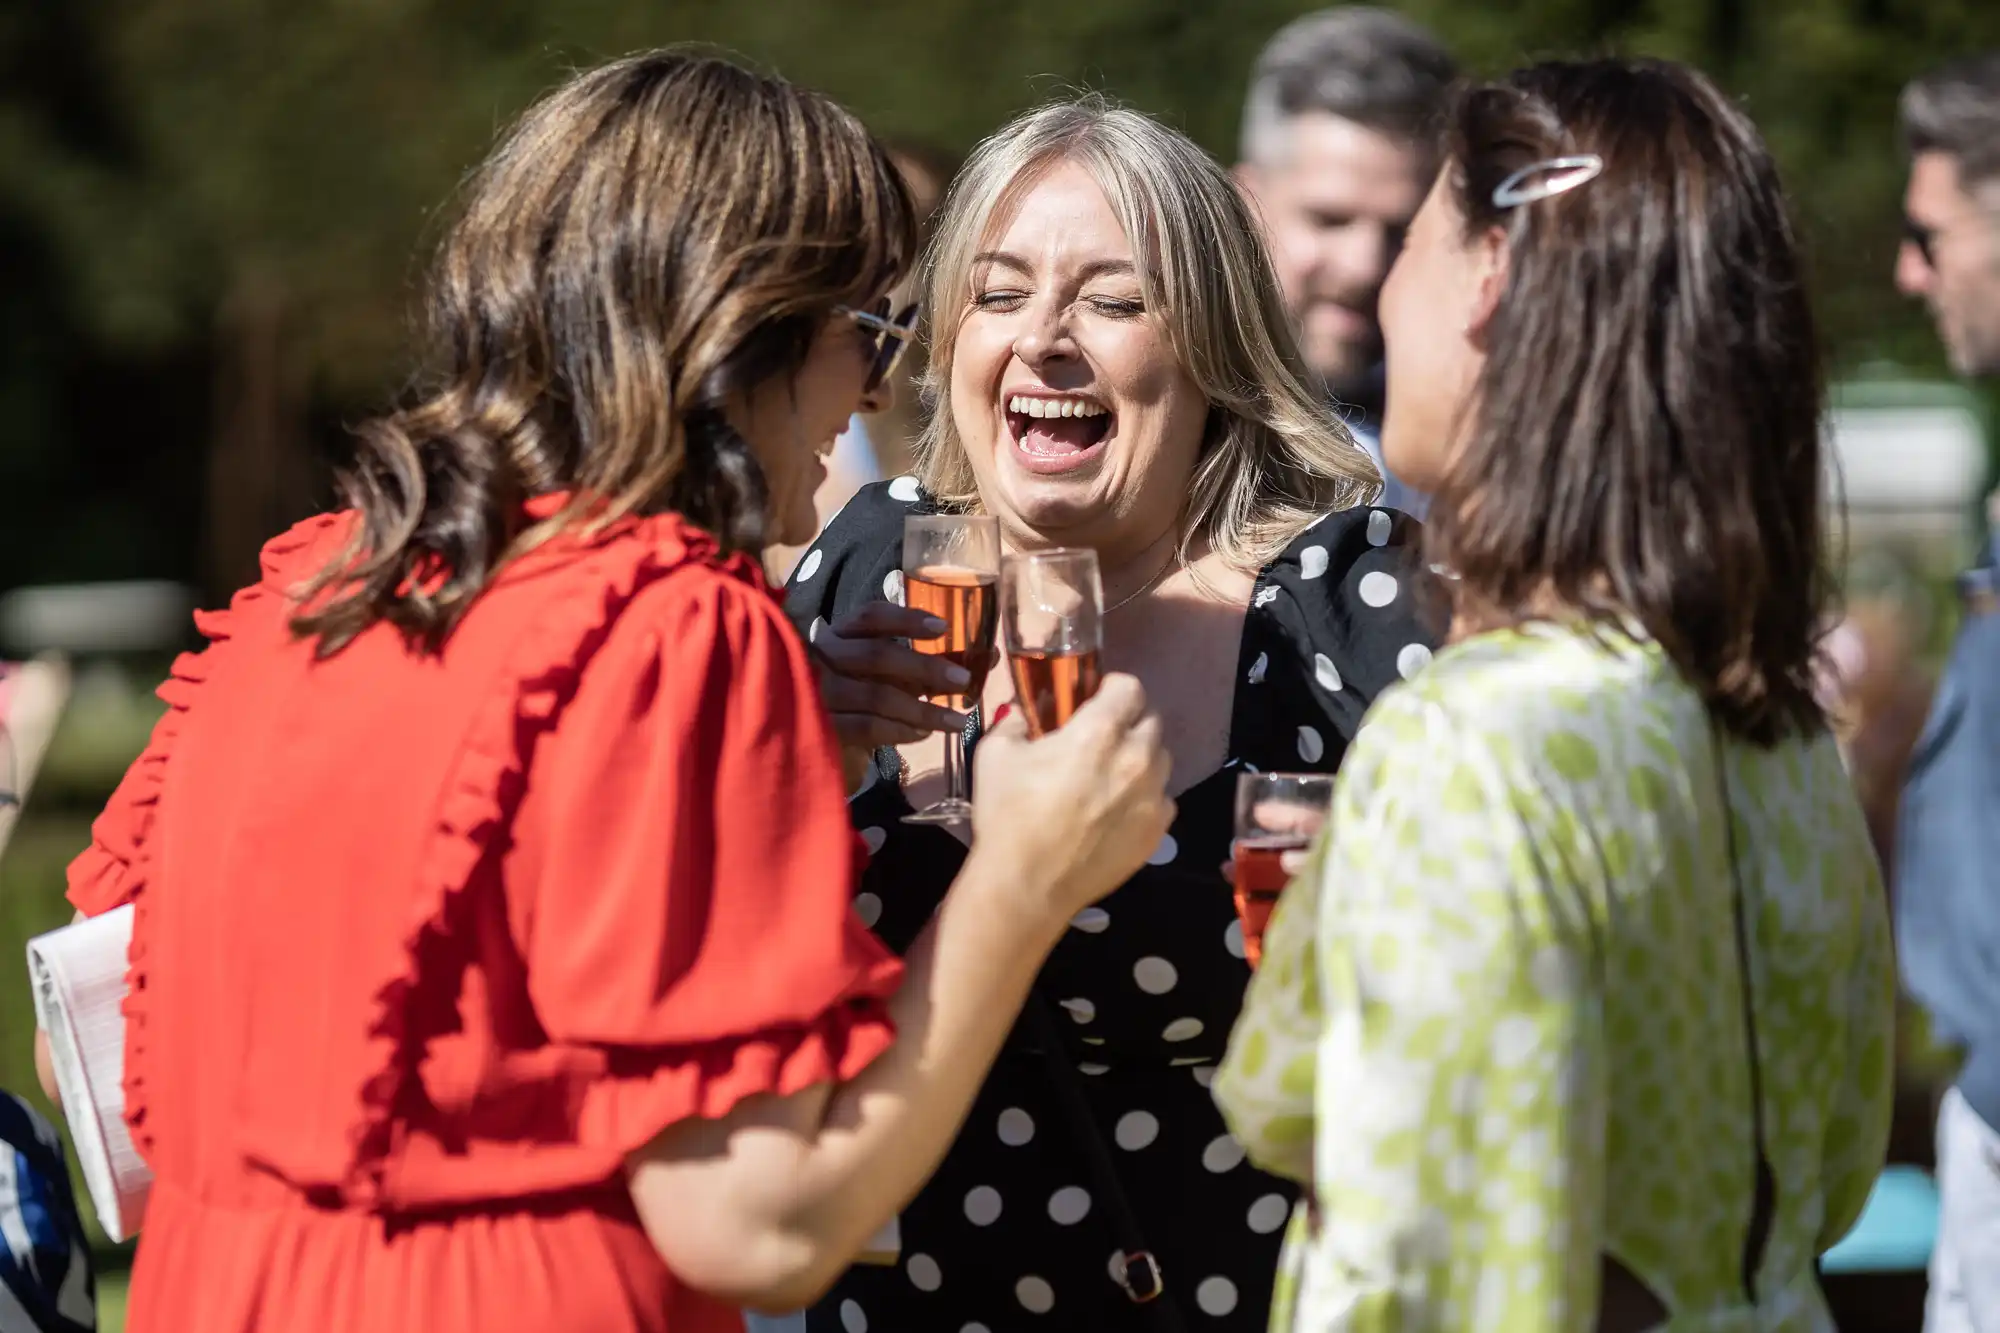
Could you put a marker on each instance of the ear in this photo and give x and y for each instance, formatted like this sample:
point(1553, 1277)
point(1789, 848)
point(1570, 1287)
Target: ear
point(1489, 260)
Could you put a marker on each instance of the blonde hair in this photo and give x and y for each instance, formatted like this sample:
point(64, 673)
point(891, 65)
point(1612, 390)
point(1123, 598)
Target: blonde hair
point(1275, 459)
point(656, 235)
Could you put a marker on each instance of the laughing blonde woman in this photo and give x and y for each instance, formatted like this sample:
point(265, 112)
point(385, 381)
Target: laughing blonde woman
point(1113, 370)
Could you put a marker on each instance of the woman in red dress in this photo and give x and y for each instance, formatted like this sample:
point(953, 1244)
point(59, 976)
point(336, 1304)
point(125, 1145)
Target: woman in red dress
point(493, 966)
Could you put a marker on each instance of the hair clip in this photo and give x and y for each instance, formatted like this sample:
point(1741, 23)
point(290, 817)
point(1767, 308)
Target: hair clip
point(1545, 179)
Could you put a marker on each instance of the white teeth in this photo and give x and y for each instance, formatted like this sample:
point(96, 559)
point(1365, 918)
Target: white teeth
point(1053, 407)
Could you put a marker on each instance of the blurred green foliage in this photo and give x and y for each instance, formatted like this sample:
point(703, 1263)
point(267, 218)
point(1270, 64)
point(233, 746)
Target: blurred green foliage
point(166, 164)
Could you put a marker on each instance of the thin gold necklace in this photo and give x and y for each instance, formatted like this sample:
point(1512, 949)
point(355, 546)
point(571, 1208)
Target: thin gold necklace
point(1145, 587)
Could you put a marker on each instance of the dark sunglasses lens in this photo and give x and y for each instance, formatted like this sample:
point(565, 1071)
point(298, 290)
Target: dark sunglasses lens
point(887, 353)
point(890, 347)
point(1918, 235)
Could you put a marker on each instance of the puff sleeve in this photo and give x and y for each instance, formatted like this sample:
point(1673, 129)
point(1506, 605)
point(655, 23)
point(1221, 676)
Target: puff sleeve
point(683, 897)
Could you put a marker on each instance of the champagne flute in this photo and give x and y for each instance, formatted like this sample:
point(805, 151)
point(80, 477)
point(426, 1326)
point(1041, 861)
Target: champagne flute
point(951, 568)
point(1052, 622)
point(1277, 816)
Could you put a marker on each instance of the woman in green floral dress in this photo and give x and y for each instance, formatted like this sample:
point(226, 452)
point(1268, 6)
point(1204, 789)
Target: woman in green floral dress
point(1579, 1016)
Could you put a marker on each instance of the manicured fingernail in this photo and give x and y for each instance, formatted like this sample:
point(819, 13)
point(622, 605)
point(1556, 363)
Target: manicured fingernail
point(1000, 713)
point(934, 627)
point(956, 675)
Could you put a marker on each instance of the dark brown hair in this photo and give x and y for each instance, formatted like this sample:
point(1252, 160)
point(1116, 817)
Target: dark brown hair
point(655, 236)
point(1647, 443)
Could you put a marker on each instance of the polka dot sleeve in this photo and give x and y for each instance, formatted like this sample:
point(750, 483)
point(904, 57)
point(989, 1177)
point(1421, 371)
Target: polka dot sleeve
point(1453, 1037)
point(1342, 614)
point(857, 559)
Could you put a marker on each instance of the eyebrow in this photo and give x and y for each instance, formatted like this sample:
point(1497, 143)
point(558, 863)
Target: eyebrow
point(1095, 269)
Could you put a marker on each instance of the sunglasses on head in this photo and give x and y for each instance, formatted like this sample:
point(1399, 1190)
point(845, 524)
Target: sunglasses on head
point(892, 337)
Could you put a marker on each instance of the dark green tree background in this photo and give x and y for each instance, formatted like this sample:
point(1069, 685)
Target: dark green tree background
point(212, 212)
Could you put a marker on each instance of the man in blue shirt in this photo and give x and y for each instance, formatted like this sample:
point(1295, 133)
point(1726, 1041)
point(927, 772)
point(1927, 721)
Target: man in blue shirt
point(1948, 846)
point(1336, 157)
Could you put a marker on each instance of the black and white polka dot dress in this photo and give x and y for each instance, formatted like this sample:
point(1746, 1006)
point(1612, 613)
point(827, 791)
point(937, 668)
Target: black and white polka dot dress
point(1008, 1234)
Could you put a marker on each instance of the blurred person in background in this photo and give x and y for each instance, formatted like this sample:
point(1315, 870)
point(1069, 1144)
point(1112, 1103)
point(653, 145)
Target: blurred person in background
point(46, 1279)
point(1336, 154)
point(1875, 687)
point(494, 958)
point(1581, 1017)
point(1114, 370)
point(880, 446)
point(1948, 846)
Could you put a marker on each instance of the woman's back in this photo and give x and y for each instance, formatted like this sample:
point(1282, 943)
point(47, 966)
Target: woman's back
point(442, 946)
point(1531, 834)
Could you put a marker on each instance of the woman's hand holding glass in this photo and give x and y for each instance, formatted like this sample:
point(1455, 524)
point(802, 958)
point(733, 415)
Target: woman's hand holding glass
point(875, 685)
point(1079, 810)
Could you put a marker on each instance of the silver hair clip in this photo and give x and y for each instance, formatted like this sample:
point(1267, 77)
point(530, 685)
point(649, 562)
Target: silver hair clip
point(1545, 179)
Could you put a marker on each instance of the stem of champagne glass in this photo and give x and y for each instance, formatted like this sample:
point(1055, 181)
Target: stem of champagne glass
point(954, 765)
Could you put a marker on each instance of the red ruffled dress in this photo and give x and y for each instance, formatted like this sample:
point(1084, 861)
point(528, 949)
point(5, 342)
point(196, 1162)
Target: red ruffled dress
point(425, 946)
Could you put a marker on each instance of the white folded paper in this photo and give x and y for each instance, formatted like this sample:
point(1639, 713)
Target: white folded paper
point(78, 974)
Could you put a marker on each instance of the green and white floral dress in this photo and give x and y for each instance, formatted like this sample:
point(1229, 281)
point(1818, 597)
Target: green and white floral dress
point(1499, 1024)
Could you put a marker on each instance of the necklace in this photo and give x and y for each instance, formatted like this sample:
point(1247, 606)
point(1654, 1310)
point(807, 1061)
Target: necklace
point(1145, 587)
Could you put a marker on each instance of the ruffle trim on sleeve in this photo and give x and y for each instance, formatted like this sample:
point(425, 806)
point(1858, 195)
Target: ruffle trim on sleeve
point(479, 802)
point(646, 1091)
point(100, 878)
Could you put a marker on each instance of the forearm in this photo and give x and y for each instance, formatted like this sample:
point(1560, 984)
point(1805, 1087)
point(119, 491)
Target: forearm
point(883, 1133)
point(769, 1205)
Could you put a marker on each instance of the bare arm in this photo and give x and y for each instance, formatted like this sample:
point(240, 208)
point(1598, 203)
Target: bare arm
point(776, 1199)
point(766, 1206)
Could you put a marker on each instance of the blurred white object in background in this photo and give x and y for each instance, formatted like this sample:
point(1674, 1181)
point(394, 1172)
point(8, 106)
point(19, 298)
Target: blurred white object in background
point(81, 618)
point(32, 696)
point(1908, 460)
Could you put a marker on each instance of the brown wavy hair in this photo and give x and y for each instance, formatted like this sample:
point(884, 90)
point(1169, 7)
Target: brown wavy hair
point(657, 235)
point(1647, 442)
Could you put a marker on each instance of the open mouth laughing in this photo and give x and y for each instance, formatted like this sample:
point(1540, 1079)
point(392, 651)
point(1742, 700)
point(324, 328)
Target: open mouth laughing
point(1057, 432)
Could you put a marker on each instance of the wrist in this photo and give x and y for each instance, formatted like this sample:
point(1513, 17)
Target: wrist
point(1021, 911)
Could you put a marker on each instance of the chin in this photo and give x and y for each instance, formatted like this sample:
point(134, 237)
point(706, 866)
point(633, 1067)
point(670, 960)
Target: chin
point(1347, 375)
point(1409, 464)
point(1051, 502)
point(793, 526)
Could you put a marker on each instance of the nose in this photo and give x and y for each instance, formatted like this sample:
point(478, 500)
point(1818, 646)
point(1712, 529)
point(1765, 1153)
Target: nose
point(1913, 274)
point(1045, 336)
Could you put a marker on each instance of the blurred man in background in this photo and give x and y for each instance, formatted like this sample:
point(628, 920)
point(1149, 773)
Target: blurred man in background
point(1948, 849)
point(1337, 155)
